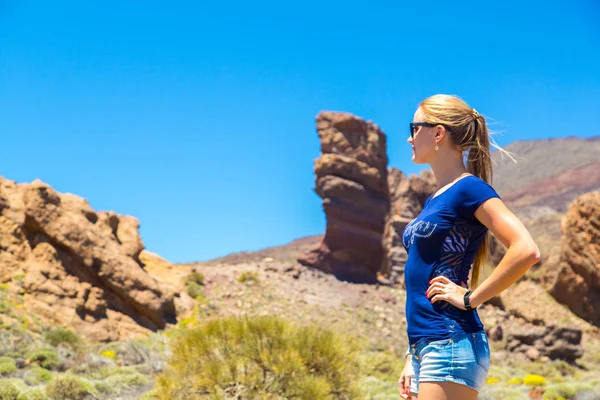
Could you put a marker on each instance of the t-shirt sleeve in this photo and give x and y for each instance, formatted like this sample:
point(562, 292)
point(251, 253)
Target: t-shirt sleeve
point(472, 194)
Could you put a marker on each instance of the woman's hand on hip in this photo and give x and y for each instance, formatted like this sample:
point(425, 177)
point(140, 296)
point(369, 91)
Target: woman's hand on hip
point(443, 289)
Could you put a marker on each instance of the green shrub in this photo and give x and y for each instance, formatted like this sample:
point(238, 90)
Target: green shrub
point(37, 376)
point(113, 381)
point(45, 358)
point(8, 390)
point(151, 395)
point(151, 351)
point(105, 388)
point(195, 277)
point(7, 368)
point(375, 388)
point(381, 365)
point(258, 358)
point(248, 276)
point(565, 390)
point(500, 392)
point(89, 371)
point(127, 378)
point(33, 394)
point(6, 307)
point(551, 369)
point(194, 290)
point(58, 335)
point(68, 387)
point(143, 369)
point(15, 389)
point(503, 375)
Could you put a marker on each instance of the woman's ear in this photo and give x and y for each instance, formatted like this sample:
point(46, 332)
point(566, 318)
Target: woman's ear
point(440, 133)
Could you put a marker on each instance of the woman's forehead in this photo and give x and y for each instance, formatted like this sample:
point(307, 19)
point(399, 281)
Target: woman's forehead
point(418, 117)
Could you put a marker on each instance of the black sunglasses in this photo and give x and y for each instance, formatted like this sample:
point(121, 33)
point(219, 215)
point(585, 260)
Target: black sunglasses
point(415, 125)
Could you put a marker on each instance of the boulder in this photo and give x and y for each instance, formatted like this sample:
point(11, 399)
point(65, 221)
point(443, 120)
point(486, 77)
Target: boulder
point(577, 283)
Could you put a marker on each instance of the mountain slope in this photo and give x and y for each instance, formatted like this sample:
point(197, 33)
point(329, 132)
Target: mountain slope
point(548, 173)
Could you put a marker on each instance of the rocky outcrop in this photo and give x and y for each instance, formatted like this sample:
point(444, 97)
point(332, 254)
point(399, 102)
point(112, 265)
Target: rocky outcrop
point(352, 181)
point(367, 206)
point(577, 283)
point(545, 342)
point(407, 197)
point(533, 326)
point(80, 268)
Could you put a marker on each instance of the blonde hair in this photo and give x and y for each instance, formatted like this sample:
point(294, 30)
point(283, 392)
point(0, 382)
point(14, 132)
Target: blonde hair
point(468, 130)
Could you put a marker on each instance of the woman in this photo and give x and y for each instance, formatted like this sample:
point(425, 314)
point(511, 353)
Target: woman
point(448, 355)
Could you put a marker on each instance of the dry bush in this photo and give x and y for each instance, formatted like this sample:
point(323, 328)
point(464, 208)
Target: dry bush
point(262, 357)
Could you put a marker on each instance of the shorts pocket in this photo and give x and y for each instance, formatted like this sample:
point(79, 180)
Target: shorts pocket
point(482, 350)
point(438, 343)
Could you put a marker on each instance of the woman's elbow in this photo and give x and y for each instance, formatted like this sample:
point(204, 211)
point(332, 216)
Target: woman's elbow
point(532, 254)
point(527, 252)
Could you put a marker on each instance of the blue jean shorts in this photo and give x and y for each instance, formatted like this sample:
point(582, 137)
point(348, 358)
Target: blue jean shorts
point(462, 359)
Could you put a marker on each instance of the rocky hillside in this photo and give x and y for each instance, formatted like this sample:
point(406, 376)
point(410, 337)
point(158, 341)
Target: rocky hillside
point(549, 173)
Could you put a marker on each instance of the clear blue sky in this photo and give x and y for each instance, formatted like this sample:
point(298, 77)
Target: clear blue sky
point(198, 117)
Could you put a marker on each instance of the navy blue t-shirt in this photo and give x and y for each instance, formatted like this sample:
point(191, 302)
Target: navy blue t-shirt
point(443, 240)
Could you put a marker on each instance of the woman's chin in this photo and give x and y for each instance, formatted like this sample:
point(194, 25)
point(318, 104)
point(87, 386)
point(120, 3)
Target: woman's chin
point(416, 160)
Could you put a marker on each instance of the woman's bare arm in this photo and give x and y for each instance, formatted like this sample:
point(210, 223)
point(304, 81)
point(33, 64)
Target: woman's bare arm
point(522, 252)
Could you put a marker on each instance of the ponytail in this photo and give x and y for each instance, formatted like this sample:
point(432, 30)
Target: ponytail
point(479, 163)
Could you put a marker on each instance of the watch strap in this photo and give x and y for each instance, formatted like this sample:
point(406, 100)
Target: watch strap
point(467, 302)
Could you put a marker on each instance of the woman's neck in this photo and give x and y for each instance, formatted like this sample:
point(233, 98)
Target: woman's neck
point(447, 170)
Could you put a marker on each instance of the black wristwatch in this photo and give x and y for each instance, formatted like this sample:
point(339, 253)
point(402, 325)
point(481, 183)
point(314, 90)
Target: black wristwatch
point(467, 301)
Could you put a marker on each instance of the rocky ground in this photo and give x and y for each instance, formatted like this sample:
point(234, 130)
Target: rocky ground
point(276, 285)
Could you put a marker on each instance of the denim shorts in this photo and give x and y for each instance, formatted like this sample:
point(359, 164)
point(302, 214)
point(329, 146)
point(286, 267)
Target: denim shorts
point(463, 359)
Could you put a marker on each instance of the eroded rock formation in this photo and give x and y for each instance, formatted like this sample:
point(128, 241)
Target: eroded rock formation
point(352, 181)
point(80, 268)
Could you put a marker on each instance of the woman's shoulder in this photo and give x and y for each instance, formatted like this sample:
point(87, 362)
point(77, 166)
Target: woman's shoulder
point(472, 192)
point(471, 182)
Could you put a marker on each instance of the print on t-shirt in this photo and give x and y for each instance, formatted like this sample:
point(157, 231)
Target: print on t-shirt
point(417, 228)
